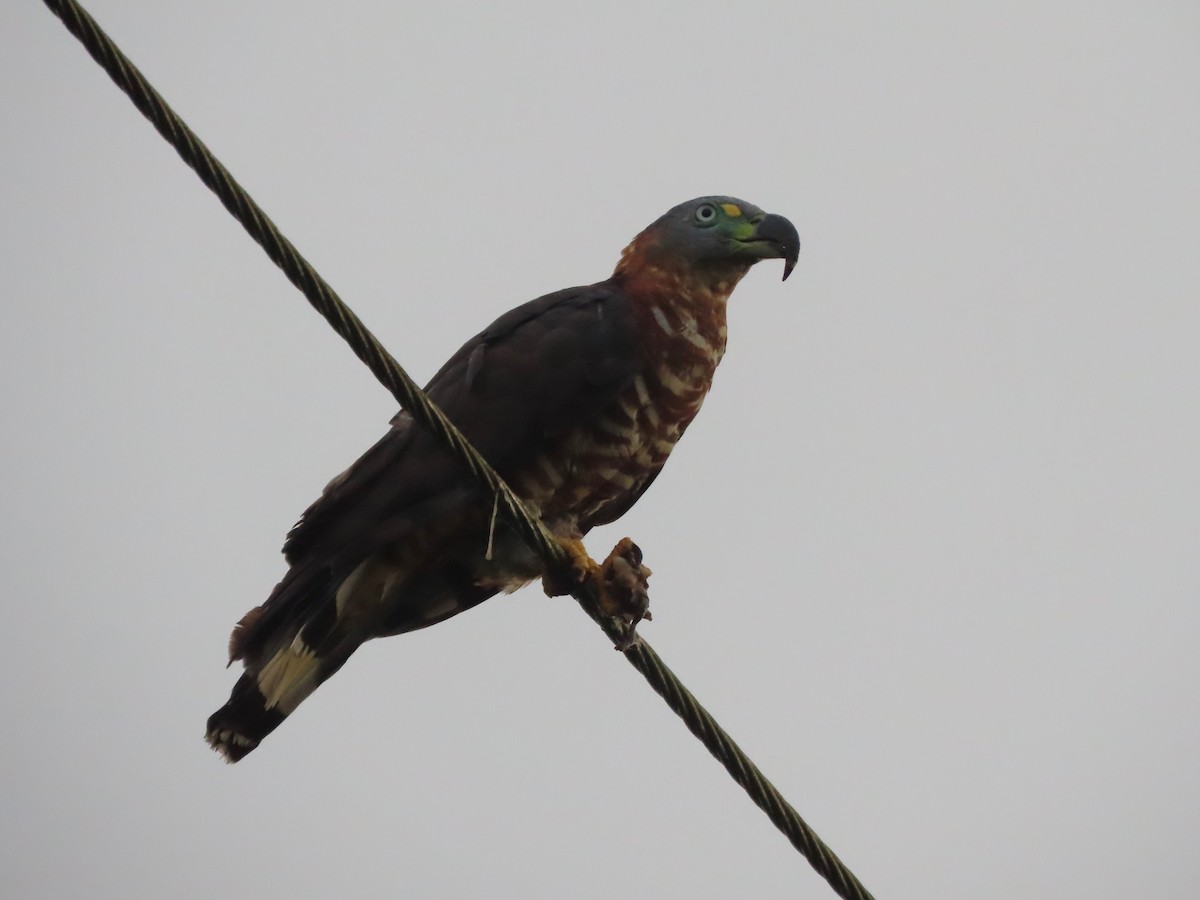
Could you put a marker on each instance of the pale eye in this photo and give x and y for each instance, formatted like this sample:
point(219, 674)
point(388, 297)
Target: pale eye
point(706, 214)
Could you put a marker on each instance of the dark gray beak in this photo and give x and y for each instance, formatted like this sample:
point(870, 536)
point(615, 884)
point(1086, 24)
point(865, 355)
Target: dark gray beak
point(783, 238)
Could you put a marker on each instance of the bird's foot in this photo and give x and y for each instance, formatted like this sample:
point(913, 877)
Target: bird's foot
point(620, 583)
point(625, 589)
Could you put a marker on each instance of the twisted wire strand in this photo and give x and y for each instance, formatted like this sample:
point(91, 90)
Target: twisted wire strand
point(392, 376)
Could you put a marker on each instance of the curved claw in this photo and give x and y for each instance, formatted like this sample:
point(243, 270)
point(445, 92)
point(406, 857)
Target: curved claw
point(620, 583)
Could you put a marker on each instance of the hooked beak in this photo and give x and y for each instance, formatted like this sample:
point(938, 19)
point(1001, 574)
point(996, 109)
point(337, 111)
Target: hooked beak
point(774, 237)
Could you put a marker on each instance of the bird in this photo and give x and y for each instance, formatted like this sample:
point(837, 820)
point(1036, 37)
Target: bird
point(576, 399)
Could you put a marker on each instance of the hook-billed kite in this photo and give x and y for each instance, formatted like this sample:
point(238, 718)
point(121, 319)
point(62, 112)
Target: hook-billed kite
point(575, 398)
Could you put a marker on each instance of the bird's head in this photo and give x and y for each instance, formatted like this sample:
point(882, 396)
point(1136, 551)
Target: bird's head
point(719, 237)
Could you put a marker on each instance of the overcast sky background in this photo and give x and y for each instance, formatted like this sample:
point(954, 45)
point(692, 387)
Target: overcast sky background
point(929, 552)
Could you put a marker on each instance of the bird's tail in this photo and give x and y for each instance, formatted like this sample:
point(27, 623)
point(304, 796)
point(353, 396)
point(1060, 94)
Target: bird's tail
point(290, 645)
point(267, 694)
point(310, 626)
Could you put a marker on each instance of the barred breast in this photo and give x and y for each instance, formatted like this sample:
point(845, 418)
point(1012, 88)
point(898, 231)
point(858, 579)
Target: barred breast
point(596, 471)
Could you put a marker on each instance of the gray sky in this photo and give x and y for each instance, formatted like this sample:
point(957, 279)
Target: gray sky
point(929, 552)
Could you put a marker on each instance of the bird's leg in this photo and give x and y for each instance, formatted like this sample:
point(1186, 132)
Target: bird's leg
point(620, 582)
point(580, 568)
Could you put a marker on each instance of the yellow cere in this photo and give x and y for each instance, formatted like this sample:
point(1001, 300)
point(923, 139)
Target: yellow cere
point(731, 209)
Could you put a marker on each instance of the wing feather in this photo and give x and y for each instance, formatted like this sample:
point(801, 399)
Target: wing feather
point(535, 372)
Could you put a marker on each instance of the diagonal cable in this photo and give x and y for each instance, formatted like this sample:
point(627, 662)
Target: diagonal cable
point(390, 374)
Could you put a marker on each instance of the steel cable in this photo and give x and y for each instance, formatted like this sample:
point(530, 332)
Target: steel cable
point(392, 376)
